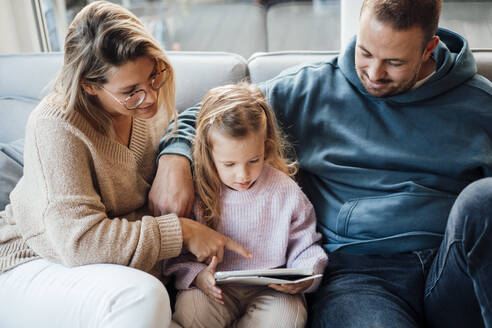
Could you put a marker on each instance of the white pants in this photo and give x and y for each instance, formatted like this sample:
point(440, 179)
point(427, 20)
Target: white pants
point(43, 294)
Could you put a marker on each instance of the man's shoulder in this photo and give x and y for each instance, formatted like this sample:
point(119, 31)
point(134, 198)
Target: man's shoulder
point(309, 69)
point(481, 83)
point(298, 80)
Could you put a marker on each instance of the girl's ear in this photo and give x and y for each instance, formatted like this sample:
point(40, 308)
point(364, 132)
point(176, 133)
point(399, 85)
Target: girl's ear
point(88, 87)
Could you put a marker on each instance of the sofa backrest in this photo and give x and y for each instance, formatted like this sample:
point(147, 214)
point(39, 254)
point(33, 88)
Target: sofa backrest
point(23, 77)
point(264, 66)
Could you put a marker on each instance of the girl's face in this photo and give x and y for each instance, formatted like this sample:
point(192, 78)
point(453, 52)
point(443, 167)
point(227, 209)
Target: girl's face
point(122, 83)
point(239, 161)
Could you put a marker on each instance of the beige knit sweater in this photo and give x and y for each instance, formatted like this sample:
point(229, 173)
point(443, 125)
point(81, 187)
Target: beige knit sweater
point(82, 198)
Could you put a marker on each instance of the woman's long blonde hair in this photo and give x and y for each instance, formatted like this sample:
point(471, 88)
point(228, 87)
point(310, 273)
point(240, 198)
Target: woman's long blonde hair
point(235, 111)
point(103, 36)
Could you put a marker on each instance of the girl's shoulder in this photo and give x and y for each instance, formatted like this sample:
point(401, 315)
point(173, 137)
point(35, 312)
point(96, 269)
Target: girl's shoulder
point(278, 180)
point(282, 187)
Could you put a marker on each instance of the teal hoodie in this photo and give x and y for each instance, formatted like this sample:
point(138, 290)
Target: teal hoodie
point(382, 173)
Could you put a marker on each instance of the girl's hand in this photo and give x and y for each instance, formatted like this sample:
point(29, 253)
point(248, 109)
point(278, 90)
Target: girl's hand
point(205, 280)
point(292, 288)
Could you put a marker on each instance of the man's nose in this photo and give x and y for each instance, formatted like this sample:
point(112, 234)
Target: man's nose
point(376, 71)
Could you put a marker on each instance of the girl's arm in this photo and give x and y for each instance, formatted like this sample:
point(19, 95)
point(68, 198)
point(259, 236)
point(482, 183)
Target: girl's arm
point(185, 268)
point(304, 250)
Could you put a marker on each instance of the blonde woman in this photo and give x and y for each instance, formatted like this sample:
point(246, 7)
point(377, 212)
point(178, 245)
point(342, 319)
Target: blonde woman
point(77, 241)
point(244, 191)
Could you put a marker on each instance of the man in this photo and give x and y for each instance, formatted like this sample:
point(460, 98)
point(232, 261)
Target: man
point(388, 135)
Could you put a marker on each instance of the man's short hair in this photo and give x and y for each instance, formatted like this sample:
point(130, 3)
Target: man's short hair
point(404, 14)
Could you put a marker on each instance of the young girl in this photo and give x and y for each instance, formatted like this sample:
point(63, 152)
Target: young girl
point(245, 192)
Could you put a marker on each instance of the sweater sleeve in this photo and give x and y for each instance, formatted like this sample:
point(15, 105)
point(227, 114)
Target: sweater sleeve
point(304, 250)
point(66, 221)
point(179, 141)
point(185, 269)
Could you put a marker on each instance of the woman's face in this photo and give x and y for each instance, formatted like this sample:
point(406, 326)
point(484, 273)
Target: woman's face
point(125, 81)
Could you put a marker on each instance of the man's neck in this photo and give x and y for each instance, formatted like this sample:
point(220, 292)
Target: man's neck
point(428, 67)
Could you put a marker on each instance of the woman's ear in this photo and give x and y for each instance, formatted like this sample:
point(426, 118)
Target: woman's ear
point(89, 88)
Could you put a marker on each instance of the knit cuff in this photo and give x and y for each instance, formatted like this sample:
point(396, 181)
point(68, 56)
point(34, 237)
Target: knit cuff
point(319, 267)
point(171, 236)
point(187, 280)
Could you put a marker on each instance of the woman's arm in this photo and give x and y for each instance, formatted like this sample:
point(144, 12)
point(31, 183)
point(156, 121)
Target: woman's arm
point(65, 220)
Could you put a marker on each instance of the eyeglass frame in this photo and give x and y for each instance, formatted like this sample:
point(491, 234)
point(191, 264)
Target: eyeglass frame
point(124, 103)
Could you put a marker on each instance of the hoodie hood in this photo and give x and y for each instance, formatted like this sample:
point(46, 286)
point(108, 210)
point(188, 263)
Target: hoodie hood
point(454, 65)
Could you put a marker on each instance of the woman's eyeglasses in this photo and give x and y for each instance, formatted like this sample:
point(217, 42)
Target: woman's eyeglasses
point(136, 98)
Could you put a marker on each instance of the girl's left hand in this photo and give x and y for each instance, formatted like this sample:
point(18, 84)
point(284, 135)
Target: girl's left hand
point(292, 288)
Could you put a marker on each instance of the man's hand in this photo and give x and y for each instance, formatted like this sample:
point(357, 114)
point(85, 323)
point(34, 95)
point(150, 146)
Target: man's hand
point(205, 280)
point(172, 189)
point(292, 288)
point(206, 243)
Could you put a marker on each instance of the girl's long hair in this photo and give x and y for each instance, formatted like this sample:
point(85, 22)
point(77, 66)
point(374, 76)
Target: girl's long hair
point(235, 111)
point(102, 37)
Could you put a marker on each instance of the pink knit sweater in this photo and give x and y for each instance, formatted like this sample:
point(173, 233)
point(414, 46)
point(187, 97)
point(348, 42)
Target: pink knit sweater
point(273, 219)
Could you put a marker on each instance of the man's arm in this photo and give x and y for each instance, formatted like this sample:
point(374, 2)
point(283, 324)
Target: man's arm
point(172, 190)
point(178, 140)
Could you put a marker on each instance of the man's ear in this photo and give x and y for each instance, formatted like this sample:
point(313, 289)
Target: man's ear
point(89, 88)
point(430, 46)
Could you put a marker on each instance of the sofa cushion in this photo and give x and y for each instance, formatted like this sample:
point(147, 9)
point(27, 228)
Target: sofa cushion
point(198, 72)
point(483, 58)
point(11, 162)
point(17, 110)
point(264, 66)
point(27, 75)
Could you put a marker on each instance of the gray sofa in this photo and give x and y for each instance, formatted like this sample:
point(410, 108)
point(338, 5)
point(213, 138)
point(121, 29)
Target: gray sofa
point(24, 77)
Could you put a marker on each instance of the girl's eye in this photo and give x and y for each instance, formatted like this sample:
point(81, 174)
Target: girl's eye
point(228, 164)
point(254, 160)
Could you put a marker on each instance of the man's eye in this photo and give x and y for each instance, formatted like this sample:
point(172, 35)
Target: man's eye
point(395, 64)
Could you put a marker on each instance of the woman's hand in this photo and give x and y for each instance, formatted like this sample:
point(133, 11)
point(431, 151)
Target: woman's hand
point(205, 280)
point(205, 243)
point(172, 190)
point(292, 288)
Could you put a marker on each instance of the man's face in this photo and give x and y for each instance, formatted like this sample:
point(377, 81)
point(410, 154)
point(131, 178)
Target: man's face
point(387, 61)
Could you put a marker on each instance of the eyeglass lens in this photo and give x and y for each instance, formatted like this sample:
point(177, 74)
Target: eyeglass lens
point(135, 99)
point(156, 83)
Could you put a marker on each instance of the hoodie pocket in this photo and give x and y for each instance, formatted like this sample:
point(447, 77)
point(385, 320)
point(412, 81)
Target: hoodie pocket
point(395, 214)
